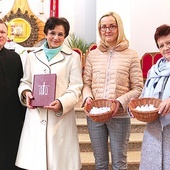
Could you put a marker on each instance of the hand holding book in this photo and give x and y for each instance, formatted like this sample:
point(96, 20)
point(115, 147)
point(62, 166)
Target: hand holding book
point(27, 95)
point(55, 106)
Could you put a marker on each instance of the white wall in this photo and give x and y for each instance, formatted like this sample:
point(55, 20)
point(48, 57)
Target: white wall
point(82, 17)
point(140, 17)
point(146, 16)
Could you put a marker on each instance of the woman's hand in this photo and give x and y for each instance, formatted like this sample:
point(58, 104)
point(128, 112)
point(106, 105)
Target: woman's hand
point(117, 105)
point(28, 97)
point(88, 101)
point(55, 106)
point(164, 107)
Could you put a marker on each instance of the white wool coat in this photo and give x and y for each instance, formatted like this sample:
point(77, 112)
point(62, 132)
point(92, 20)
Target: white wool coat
point(48, 141)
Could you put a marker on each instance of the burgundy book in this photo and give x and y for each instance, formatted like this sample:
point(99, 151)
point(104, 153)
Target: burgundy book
point(44, 89)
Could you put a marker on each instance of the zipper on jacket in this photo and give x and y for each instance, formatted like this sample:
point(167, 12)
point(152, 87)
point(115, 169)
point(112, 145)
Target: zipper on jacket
point(107, 80)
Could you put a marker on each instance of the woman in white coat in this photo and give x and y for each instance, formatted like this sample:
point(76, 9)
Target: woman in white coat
point(49, 139)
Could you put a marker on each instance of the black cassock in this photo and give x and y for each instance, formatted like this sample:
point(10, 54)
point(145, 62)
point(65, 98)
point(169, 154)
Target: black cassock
point(12, 113)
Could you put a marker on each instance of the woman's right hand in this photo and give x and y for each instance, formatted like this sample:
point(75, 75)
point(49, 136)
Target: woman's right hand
point(88, 101)
point(28, 97)
point(164, 107)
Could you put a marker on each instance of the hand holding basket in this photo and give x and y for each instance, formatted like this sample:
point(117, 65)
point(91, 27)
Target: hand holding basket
point(99, 103)
point(145, 116)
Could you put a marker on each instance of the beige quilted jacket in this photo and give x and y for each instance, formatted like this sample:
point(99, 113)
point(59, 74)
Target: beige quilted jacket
point(113, 75)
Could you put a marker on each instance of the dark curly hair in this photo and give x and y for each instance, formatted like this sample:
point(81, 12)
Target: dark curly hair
point(162, 30)
point(53, 21)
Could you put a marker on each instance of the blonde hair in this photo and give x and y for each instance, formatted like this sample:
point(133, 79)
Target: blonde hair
point(121, 35)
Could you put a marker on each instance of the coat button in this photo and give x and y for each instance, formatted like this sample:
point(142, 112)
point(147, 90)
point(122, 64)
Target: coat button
point(58, 114)
point(43, 122)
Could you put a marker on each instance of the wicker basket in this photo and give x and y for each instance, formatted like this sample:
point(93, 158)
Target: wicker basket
point(102, 117)
point(145, 116)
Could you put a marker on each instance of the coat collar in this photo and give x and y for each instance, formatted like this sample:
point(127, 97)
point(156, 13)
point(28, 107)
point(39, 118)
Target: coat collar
point(39, 53)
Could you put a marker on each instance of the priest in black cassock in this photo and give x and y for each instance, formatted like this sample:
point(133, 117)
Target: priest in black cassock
point(11, 111)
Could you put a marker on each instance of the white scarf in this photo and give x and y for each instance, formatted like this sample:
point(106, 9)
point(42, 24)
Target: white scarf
point(158, 85)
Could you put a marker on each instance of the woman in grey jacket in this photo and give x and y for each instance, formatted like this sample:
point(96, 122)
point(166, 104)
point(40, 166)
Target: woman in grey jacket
point(112, 71)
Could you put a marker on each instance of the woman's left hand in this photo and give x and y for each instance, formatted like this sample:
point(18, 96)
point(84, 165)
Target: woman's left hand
point(164, 107)
point(55, 106)
point(116, 107)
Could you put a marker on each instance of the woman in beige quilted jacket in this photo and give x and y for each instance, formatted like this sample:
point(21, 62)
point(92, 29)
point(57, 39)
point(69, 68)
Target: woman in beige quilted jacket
point(112, 71)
